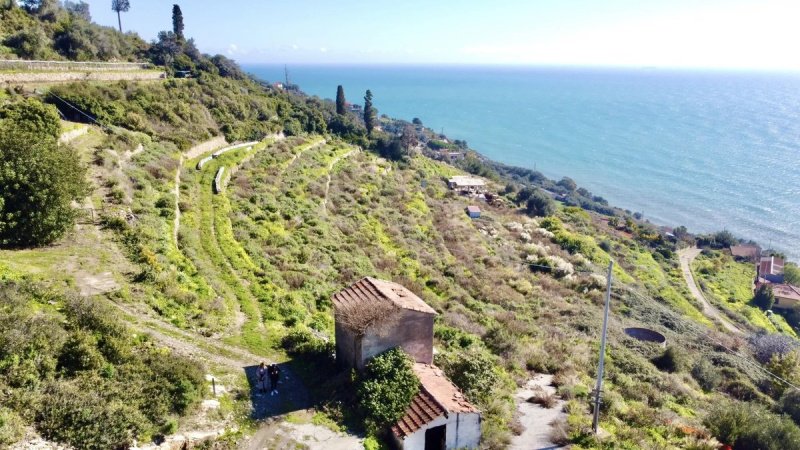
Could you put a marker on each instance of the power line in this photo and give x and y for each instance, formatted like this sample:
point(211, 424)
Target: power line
point(81, 112)
point(697, 332)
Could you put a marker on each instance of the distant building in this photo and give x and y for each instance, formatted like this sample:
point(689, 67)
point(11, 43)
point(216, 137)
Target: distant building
point(747, 252)
point(373, 316)
point(467, 184)
point(786, 296)
point(439, 417)
point(770, 268)
point(473, 212)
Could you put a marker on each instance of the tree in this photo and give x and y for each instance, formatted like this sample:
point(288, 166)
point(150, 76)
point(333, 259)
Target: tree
point(40, 180)
point(120, 6)
point(340, 101)
point(764, 298)
point(388, 386)
point(79, 9)
point(791, 274)
point(369, 112)
point(568, 184)
point(540, 204)
point(790, 404)
point(32, 116)
point(177, 22)
point(408, 140)
point(416, 121)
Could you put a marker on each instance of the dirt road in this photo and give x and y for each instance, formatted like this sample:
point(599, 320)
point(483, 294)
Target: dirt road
point(686, 256)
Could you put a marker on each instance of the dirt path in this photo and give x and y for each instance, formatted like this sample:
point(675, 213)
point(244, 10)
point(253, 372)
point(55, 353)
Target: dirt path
point(177, 222)
point(328, 183)
point(536, 419)
point(686, 256)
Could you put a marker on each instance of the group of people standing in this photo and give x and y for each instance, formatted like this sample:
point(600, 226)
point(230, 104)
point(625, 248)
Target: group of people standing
point(271, 372)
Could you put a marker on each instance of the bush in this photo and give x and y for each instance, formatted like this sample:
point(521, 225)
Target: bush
point(473, 371)
point(11, 427)
point(707, 376)
point(540, 204)
point(789, 404)
point(764, 298)
point(765, 346)
point(387, 388)
point(746, 426)
point(672, 360)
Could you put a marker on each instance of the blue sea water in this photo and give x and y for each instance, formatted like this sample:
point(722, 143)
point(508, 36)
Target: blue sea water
point(708, 150)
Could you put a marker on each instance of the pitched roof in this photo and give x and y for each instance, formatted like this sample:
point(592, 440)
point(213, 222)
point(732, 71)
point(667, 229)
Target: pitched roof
point(437, 396)
point(786, 291)
point(374, 291)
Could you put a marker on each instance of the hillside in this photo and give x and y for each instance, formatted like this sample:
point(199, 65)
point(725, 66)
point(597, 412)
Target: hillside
point(311, 204)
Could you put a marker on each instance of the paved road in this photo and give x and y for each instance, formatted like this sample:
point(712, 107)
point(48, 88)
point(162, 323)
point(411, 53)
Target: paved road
point(686, 256)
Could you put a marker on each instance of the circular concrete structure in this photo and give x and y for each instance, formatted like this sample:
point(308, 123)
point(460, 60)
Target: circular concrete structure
point(647, 335)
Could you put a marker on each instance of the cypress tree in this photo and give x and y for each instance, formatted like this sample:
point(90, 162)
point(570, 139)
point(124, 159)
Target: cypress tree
point(340, 101)
point(369, 112)
point(177, 22)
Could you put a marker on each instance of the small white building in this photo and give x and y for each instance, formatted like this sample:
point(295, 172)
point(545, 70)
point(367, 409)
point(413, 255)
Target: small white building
point(439, 417)
point(467, 184)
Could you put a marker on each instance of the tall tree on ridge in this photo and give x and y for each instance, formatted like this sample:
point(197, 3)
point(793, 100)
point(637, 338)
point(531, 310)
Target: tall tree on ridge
point(177, 22)
point(340, 101)
point(120, 6)
point(369, 112)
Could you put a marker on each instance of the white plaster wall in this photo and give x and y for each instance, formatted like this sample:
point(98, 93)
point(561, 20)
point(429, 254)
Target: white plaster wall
point(463, 431)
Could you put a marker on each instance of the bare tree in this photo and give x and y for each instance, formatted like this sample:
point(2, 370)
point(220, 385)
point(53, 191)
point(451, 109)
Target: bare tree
point(361, 316)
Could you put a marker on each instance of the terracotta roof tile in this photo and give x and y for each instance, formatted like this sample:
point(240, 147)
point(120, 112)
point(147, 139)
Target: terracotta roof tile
point(372, 290)
point(437, 396)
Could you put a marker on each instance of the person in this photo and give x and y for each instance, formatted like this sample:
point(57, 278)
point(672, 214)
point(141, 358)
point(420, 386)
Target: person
point(274, 375)
point(262, 377)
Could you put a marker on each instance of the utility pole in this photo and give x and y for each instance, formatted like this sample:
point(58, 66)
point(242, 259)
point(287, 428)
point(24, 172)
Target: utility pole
point(599, 388)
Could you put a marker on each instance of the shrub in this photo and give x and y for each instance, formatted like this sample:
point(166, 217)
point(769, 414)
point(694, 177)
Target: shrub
point(790, 404)
point(764, 298)
point(387, 388)
point(544, 399)
point(707, 376)
point(747, 426)
point(765, 346)
point(473, 371)
point(672, 360)
point(11, 427)
point(540, 204)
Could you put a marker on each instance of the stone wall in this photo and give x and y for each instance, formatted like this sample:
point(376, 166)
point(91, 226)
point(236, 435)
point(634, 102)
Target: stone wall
point(61, 77)
point(410, 330)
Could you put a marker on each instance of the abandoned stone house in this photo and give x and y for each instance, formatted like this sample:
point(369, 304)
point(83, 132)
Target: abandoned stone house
point(373, 316)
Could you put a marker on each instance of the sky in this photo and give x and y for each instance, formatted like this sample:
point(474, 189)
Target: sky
point(721, 34)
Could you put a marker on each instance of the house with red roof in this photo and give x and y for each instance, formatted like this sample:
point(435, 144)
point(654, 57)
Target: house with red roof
point(373, 316)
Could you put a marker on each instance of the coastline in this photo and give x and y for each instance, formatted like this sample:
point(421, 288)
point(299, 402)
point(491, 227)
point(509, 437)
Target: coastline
point(690, 187)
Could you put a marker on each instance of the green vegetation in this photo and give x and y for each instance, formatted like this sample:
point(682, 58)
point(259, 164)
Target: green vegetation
point(341, 109)
point(729, 285)
point(387, 388)
point(40, 178)
point(69, 368)
point(302, 217)
point(764, 298)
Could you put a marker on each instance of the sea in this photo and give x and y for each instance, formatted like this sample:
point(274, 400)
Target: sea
point(710, 150)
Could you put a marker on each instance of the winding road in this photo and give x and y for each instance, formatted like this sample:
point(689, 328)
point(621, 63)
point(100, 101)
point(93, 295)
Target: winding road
point(686, 256)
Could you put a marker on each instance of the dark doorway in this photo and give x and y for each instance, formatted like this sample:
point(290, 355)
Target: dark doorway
point(435, 438)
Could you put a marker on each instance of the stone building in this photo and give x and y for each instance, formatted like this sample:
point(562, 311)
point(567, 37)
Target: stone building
point(373, 316)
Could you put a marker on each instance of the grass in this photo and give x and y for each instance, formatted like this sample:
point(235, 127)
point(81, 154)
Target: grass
point(729, 284)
